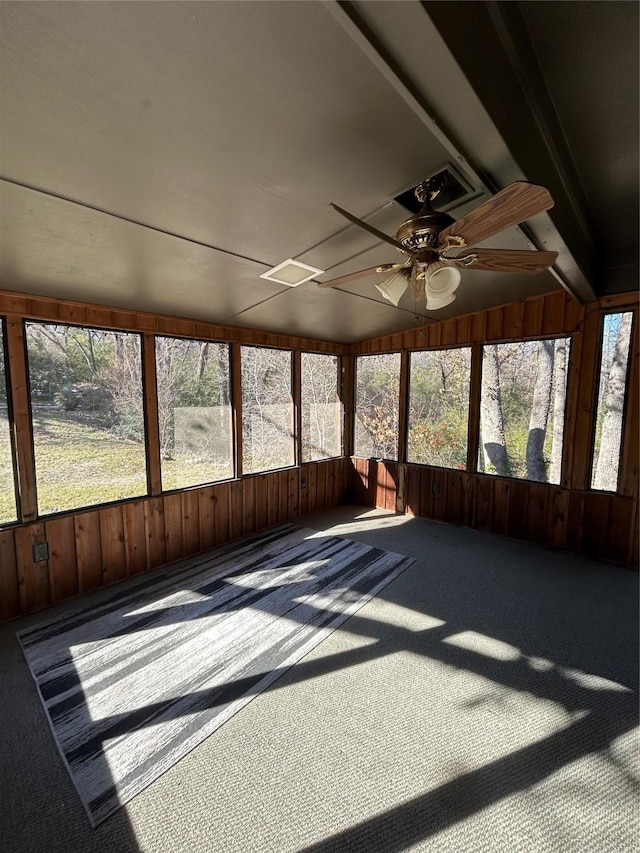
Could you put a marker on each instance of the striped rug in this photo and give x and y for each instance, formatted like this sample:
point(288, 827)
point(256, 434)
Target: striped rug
point(133, 684)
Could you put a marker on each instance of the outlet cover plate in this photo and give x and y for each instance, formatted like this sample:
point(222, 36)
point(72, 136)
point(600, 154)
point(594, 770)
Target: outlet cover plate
point(40, 552)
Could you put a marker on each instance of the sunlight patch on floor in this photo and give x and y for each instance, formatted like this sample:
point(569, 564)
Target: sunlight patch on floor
point(481, 644)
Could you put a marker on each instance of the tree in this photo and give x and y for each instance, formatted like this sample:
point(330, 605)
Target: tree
point(540, 405)
point(606, 468)
point(492, 424)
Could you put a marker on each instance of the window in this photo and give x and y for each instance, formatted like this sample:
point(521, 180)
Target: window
point(439, 407)
point(321, 407)
point(267, 409)
point(377, 405)
point(522, 409)
point(87, 410)
point(194, 412)
point(616, 342)
point(7, 489)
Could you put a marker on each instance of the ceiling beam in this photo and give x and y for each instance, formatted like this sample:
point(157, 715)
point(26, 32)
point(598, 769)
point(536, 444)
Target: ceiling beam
point(494, 51)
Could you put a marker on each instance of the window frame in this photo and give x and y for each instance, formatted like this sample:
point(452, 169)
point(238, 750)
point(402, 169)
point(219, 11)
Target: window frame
point(232, 437)
point(596, 401)
point(407, 403)
point(400, 441)
point(295, 403)
point(339, 395)
point(111, 330)
point(569, 336)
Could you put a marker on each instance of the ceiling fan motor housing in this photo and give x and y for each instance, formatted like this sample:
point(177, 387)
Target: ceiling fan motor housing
point(420, 233)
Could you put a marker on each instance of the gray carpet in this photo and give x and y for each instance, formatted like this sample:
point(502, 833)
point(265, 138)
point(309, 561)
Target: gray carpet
point(132, 685)
point(484, 700)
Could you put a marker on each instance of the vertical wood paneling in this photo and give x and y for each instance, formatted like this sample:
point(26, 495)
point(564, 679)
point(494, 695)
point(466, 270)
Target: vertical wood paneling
point(426, 492)
point(207, 517)
point(500, 506)
point(453, 513)
point(63, 568)
point(513, 320)
point(236, 509)
point(33, 578)
point(557, 517)
point(484, 503)
point(114, 565)
point(283, 496)
point(155, 532)
point(595, 523)
point(173, 526)
point(620, 525)
point(9, 589)
point(134, 538)
point(553, 313)
point(532, 320)
point(273, 502)
point(517, 525)
point(248, 505)
point(294, 493)
point(439, 494)
point(190, 522)
point(495, 324)
point(222, 520)
point(312, 488)
point(412, 502)
point(261, 498)
point(88, 550)
point(537, 513)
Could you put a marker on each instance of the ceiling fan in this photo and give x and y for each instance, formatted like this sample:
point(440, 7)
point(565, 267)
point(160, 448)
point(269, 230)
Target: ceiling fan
point(427, 237)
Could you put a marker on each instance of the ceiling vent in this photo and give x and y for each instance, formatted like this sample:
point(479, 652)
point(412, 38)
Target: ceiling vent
point(292, 273)
point(455, 191)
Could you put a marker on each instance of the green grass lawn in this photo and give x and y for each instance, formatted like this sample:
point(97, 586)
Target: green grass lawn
point(76, 465)
point(80, 464)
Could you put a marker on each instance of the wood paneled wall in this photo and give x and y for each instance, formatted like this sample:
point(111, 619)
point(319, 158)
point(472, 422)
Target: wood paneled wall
point(568, 516)
point(96, 547)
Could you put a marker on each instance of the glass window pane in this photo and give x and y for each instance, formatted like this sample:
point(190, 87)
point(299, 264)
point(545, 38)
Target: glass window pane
point(267, 409)
point(7, 488)
point(522, 409)
point(194, 412)
point(377, 405)
point(88, 421)
point(439, 407)
point(321, 407)
point(616, 341)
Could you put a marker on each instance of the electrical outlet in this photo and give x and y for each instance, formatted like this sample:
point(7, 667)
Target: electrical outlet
point(40, 552)
point(303, 482)
point(435, 488)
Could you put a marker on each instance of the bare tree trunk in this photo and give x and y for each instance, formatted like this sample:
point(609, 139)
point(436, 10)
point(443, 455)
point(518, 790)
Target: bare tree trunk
point(606, 473)
point(540, 413)
point(559, 400)
point(203, 352)
point(493, 442)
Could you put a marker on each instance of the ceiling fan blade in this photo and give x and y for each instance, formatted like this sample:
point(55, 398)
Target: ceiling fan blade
point(510, 260)
point(349, 277)
point(512, 205)
point(361, 224)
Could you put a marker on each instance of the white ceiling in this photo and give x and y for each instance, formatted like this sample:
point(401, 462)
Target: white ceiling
point(160, 156)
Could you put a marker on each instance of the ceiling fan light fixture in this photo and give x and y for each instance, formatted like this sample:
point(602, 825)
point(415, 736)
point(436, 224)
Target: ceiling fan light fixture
point(393, 287)
point(441, 283)
point(292, 273)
